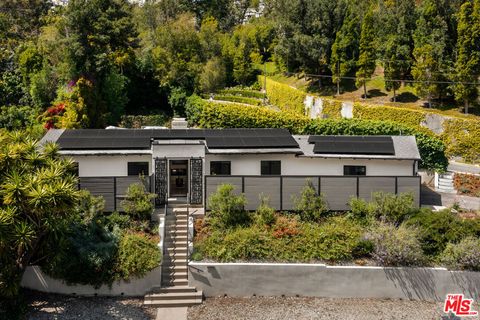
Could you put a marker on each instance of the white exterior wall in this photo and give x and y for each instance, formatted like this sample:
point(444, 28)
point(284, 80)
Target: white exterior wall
point(108, 166)
point(179, 151)
point(292, 165)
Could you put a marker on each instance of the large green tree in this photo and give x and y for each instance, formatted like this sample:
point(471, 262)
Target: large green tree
point(37, 194)
point(367, 59)
point(467, 66)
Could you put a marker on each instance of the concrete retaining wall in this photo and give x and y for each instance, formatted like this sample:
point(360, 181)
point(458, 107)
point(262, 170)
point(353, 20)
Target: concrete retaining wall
point(318, 280)
point(35, 279)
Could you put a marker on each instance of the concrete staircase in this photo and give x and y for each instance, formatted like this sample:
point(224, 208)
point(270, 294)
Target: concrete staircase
point(174, 290)
point(445, 183)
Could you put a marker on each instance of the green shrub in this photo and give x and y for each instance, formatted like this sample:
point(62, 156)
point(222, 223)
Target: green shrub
point(242, 92)
point(396, 246)
point(194, 108)
point(385, 207)
point(86, 256)
point(226, 208)
point(436, 229)
point(405, 116)
point(265, 213)
point(332, 108)
point(312, 207)
point(462, 137)
point(17, 117)
point(337, 239)
point(137, 254)
point(138, 121)
point(464, 255)
point(138, 202)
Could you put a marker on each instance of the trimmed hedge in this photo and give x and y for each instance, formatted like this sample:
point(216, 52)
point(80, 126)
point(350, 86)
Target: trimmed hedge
point(208, 114)
point(462, 137)
point(285, 97)
point(402, 115)
point(138, 121)
point(332, 108)
point(239, 99)
point(242, 92)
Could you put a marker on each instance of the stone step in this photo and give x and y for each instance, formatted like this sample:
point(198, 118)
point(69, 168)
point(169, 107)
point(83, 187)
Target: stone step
point(175, 255)
point(174, 295)
point(176, 237)
point(177, 232)
point(175, 282)
point(176, 249)
point(173, 268)
point(172, 303)
point(173, 289)
point(169, 242)
point(180, 210)
point(446, 190)
point(168, 276)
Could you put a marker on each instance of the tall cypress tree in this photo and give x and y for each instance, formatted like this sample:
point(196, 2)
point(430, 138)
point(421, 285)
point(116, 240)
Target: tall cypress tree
point(366, 60)
point(345, 48)
point(467, 66)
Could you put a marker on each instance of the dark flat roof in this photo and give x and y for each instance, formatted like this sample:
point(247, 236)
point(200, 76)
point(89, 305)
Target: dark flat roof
point(381, 145)
point(139, 139)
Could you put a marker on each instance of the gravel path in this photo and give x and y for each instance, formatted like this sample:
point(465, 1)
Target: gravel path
point(59, 307)
point(263, 308)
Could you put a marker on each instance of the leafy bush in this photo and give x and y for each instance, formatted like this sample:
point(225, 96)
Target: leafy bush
point(462, 137)
point(242, 93)
point(265, 213)
point(405, 116)
point(312, 207)
point(17, 117)
point(436, 229)
point(467, 184)
point(332, 108)
point(137, 254)
point(178, 100)
point(395, 246)
point(86, 256)
point(138, 202)
point(385, 207)
point(226, 208)
point(138, 121)
point(464, 255)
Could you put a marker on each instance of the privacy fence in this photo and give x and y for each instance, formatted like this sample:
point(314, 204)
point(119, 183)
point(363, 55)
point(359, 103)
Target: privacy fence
point(337, 191)
point(112, 189)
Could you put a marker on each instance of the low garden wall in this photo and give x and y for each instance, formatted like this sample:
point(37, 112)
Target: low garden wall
point(319, 280)
point(35, 279)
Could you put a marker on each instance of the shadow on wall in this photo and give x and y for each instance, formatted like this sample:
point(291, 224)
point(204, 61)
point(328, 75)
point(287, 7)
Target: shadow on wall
point(414, 283)
point(430, 197)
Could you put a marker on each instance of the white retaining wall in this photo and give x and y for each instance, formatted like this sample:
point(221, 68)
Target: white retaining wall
point(319, 280)
point(35, 279)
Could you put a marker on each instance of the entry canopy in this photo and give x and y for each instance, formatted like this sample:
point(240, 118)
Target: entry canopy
point(367, 145)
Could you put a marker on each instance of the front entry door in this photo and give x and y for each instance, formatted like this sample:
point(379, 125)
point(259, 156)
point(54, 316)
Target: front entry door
point(178, 178)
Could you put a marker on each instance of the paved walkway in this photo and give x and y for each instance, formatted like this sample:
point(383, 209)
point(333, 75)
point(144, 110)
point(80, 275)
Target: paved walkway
point(462, 167)
point(179, 313)
point(434, 198)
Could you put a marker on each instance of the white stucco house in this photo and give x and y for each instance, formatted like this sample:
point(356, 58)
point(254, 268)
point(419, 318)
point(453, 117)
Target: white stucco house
point(191, 163)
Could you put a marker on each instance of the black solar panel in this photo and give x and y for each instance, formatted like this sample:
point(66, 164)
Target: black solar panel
point(371, 145)
point(141, 138)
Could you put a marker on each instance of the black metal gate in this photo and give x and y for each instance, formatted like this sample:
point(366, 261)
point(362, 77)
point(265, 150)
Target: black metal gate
point(196, 181)
point(161, 180)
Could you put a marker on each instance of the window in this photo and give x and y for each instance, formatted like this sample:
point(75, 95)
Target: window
point(220, 168)
point(270, 168)
point(354, 170)
point(138, 168)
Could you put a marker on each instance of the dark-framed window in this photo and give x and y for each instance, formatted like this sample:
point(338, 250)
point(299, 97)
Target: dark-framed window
point(220, 168)
point(354, 170)
point(271, 168)
point(138, 168)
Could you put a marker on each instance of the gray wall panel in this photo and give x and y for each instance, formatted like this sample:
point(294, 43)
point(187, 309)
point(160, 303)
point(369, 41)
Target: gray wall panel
point(268, 186)
point(100, 187)
point(410, 184)
point(212, 183)
point(292, 187)
point(338, 191)
point(368, 185)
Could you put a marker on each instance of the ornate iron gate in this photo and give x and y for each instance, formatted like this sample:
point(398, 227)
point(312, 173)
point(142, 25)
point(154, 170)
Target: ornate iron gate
point(196, 181)
point(161, 180)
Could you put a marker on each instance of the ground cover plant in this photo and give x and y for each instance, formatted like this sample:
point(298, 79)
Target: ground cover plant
point(387, 231)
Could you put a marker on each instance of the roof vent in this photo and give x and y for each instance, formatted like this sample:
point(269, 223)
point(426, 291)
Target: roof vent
point(179, 123)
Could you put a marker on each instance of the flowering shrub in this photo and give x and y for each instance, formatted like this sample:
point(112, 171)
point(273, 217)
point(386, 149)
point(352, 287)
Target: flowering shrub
point(464, 255)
